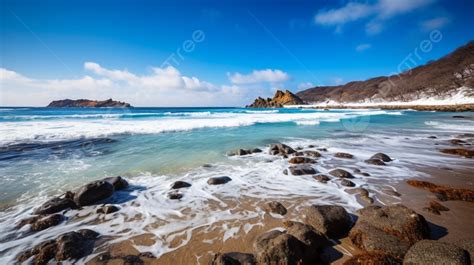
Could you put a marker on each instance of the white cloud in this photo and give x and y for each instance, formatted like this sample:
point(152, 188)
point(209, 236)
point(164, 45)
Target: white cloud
point(363, 47)
point(162, 87)
point(259, 76)
point(379, 12)
point(435, 23)
point(347, 13)
point(337, 80)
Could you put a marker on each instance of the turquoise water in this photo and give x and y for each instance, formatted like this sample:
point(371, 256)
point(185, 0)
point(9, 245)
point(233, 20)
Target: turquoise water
point(46, 151)
point(148, 140)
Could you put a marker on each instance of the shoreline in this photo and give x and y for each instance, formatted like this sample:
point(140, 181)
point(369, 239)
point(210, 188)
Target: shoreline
point(441, 108)
point(451, 226)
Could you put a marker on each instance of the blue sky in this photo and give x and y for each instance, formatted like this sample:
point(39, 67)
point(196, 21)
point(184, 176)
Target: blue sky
point(220, 53)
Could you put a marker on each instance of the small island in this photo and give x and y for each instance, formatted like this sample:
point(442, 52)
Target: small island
point(86, 103)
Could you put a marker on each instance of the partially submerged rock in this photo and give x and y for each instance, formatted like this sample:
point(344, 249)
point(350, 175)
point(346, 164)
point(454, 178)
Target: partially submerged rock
point(302, 170)
point(118, 182)
point(301, 160)
point(180, 184)
point(347, 183)
point(341, 173)
point(459, 151)
point(343, 155)
point(233, 258)
point(436, 252)
point(55, 205)
point(93, 192)
point(218, 180)
point(381, 156)
point(281, 149)
point(312, 153)
point(376, 162)
point(39, 223)
point(107, 209)
point(322, 178)
point(275, 207)
point(444, 191)
point(331, 220)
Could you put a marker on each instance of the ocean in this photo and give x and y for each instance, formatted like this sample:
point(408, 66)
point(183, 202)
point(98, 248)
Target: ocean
point(47, 151)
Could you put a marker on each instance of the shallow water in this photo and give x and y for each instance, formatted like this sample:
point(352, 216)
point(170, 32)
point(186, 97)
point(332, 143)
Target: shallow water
point(44, 152)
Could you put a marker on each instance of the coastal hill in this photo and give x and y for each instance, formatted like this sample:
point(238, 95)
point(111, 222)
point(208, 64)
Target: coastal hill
point(278, 101)
point(441, 79)
point(86, 103)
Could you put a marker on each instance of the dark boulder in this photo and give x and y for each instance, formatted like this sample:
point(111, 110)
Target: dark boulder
point(68, 246)
point(180, 184)
point(301, 160)
point(313, 239)
point(391, 229)
point(376, 162)
point(175, 195)
point(347, 183)
point(218, 180)
point(118, 182)
point(281, 149)
point(233, 258)
point(435, 252)
point(331, 220)
point(55, 205)
point(277, 247)
point(106, 209)
point(93, 192)
point(381, 156)
point(275, 207)
point(302, 170)
point(343, 155)
point(322, 178)
point(341, 173)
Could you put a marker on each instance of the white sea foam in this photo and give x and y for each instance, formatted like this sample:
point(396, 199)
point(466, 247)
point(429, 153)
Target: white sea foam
point(63, 129)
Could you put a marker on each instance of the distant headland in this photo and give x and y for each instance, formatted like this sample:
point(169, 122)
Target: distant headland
point(86, 103)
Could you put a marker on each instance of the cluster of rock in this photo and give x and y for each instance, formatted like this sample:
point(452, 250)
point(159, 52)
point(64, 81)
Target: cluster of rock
point(278, 101)
point(176, 194)
point(76, 244)
point(86, 103)
point(463, 142)
point(383, 235)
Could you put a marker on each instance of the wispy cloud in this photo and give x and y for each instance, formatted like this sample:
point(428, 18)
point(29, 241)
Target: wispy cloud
point(435, 23)
point(259, 76)
point(378, 12)
point(305, 85)
point(363, 47)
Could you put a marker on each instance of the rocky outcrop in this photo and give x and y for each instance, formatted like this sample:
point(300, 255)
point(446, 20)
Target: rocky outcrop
point(278, 101)
point(372, 258)
point(281, 149)
point(86, 103)
point(93, 192)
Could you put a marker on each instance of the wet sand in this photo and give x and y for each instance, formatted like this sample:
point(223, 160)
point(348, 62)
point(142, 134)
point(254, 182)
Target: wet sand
point(452, 225)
